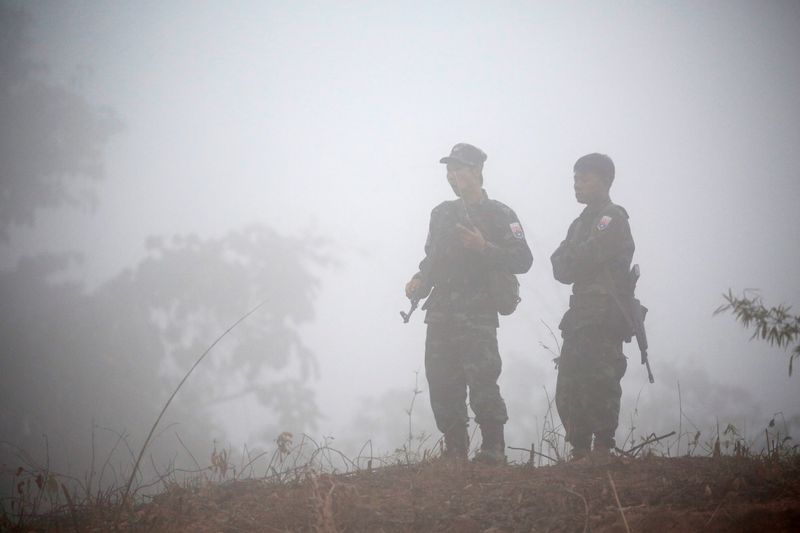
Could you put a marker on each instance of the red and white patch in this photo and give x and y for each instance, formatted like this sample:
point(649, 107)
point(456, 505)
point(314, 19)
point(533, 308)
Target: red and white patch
point(604, 222)
point(516, 230)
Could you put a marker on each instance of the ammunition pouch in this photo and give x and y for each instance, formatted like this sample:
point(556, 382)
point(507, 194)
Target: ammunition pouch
point(504, 289)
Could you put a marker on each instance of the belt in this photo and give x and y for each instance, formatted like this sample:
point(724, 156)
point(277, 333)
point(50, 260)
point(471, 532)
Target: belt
point(590, 299)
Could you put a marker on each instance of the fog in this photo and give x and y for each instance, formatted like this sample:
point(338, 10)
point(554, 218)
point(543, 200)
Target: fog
point(320, 125)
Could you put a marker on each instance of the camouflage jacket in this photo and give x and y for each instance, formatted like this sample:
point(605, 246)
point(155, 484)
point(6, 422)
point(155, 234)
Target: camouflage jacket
point(595, 258)
point(459, 276)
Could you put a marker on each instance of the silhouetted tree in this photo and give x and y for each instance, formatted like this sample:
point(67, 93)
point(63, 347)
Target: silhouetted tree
point(193, 288)
point(112, 355)
point(51, 138)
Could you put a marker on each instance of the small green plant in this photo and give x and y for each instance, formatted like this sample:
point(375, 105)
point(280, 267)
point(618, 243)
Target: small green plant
point(776, 325)
point(780, 445)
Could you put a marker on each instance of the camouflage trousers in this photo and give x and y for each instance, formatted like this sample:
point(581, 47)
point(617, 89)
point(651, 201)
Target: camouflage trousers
point(588, 388)
point(459, 358)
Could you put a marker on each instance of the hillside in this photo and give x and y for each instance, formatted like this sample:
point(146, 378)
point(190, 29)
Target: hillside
point(655, 494)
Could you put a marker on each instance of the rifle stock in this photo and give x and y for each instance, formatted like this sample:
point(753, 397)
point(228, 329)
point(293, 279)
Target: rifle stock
point(414, 303)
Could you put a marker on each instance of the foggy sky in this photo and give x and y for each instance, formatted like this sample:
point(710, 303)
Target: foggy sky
point(331, 117)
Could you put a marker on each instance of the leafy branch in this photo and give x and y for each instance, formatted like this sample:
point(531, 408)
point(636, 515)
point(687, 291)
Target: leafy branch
point(776, 325)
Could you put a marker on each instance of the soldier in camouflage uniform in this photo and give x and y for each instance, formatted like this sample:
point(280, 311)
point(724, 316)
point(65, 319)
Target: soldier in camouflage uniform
point(595, 258)
point(467, 238)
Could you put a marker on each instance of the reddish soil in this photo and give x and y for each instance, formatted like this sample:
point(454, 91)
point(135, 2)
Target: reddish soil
point(655, 494)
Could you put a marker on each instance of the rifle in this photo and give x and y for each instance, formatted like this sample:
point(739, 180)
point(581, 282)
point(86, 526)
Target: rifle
point(634, 314)
point(433, 260)
point(430, 266)
point(638, 313)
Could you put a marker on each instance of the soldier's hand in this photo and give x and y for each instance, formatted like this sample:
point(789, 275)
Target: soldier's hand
point(412, 286)
point(414, 289)
point(472, 239)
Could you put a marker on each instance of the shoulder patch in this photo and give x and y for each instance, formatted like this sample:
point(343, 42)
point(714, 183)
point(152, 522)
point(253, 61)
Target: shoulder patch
point(516, 230)
point(604, 222)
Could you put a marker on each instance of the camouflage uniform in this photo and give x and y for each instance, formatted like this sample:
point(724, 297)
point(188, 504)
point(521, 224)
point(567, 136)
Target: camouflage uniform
point(595, 257)
point(461, 346)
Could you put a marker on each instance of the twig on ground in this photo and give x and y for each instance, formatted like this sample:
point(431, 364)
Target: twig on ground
point(633, 451)
point(619, 505)
point(323, 508)
point(532, 451)
point(715, 512)
point(585, 508)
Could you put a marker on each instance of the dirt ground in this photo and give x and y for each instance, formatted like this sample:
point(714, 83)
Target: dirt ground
point(649, 494)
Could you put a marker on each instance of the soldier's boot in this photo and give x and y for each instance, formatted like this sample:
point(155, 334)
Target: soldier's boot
point(456, 443)
point(493, 447)
point(578, 454)
point(580, 448)
point(602, 449)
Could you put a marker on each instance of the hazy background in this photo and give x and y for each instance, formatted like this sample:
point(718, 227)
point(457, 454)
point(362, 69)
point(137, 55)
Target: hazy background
point(321, 125)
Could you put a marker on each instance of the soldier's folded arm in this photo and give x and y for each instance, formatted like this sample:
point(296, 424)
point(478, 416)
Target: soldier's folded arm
point(604, 245)
point(562, 262)
point(563, 259)
point(573, 260)
point(511, 253)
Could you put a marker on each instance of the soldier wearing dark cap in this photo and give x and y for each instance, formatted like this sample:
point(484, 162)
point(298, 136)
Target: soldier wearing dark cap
point(595, 258)
point(468, 238)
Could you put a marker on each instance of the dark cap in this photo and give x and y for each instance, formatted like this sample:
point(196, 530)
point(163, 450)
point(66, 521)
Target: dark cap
point(465, 154)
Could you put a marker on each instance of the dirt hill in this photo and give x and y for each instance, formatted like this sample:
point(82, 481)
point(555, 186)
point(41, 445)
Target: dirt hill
point(649, 494)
